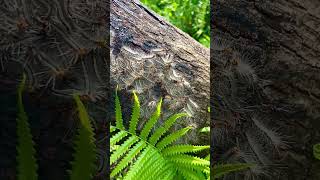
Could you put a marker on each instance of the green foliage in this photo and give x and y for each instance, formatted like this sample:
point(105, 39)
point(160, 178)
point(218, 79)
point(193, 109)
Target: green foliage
point(192, 17)
point(135, 114)
point(316, 151)
point(152, 153)
point(223, 169)
point(119, 124)
point(27, 165)
point(83, 165)
point(205, 129)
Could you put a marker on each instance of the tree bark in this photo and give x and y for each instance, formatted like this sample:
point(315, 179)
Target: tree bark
point(157, 60)
point(62, 47)
point(280, 41)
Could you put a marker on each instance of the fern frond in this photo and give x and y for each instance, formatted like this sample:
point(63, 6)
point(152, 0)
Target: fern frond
point(128, 158)
point(138, 165)
point(172, 137)
point(117, 137)
point(170, 175)
point(151, 168)
point(119, 120)
point(112, 129)
point(223, 169)
point(316, 151)
point(135, 114)
point(189, 160)
point(190, 174)
point(207, 157)
point(204, 169)
point(138, 157)
point(151, 122)
point(167, 169)
point(152, 165)
point(83, 166)
point(123, 148)
point(163, 129)
point(205, 130)
point(185, 148)
point(178, 176)
point(27, 165)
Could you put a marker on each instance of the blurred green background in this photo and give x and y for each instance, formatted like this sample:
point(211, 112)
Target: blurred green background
point(191, 16)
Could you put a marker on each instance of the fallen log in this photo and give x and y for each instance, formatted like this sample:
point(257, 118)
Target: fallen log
point(157, 60)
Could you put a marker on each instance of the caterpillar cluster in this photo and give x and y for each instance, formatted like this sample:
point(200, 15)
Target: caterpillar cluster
point(243, 122)
point(61, 46)
point(152, 74)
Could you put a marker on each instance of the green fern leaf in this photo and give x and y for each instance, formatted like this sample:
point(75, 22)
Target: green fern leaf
point(163, 129)
point(129, 158)
point(316, 151)
point(223, 169)
point(161, 169)
point(151, 122)
point(170, 175)
point(189, 160)
point(207, 157)
point(190, 174)
point(112, 129)
point(123, 148)
point(172, 137)
point(119, 120)
point(83, 165)
point(27, 165)
point(199, 168)
point(178, 176)
point(151, 165)
point(137, 157)
point(135, 114)
point(205, 130)
point(185, 148)
point(116, 138)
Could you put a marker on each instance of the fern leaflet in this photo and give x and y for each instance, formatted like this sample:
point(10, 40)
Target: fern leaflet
point(221, 170)
point(83, 165)
point(27, 165)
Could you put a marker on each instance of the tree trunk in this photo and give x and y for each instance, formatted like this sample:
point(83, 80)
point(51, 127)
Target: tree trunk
point(156, 59)
point(275, 45)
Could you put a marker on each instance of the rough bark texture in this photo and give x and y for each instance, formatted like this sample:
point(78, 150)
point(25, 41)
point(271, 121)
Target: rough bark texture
point(156, 59)
point(61, 46)
point(267, 52)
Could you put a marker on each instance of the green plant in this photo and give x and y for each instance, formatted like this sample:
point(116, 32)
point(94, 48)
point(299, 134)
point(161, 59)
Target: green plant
point(146, 153)
point(220, 170)
point(192, 17)
point(151, 155)
point(141, 154)
point(83, 165)
point(316, 151)
point(27, 165)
